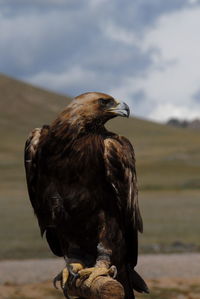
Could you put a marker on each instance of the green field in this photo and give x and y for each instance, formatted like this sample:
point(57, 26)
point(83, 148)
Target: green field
point(171, 221)
point(168, 163)
point(171, 224)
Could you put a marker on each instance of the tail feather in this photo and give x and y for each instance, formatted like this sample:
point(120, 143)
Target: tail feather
point(137, 282)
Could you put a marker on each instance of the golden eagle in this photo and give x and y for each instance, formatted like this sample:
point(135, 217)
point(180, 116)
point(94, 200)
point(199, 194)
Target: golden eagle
point(82, 185)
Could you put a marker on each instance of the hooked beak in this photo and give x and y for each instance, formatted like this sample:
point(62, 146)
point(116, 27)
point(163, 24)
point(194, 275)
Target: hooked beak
point(121, 109)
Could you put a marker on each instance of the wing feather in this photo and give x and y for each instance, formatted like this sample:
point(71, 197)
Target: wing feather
point(121, 172)
point(30, 163)
point(43, 195)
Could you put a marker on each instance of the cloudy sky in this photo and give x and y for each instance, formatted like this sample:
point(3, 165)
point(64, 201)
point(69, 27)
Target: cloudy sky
point(146, 52)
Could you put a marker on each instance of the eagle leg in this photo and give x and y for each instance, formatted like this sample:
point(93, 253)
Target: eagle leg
point(101, 268)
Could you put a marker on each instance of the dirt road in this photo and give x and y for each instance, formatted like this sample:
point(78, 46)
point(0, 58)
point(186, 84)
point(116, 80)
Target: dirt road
point(149, 266)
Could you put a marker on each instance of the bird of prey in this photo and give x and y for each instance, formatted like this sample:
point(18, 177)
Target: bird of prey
point(83, 188)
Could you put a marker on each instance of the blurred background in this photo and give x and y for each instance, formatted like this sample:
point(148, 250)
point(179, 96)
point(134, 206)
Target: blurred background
point(145, 52)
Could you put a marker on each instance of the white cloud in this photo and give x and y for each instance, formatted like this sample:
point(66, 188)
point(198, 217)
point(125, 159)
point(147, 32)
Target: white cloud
point(193, 1)
point(64, 80)
point(175, 76)
point(117, 33)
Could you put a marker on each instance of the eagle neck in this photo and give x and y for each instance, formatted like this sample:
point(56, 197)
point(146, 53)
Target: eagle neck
point(74, 127)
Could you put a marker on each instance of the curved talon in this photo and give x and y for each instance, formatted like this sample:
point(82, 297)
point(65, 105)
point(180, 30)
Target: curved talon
point(113, 271)
point(56, 279)
point(62, 278)
point(69, 274)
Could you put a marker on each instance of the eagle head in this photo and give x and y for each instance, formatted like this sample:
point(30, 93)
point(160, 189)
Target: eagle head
point(90, 110)
point(98, 107)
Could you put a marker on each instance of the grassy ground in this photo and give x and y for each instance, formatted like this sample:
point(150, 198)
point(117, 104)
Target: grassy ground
point(171, 221)
point(171, 224)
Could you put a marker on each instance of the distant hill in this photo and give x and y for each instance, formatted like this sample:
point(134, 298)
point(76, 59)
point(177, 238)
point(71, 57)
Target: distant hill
point(193, 124)
point(167, 157)
point(22, 107)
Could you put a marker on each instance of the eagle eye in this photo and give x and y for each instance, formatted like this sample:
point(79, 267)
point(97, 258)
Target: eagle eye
point(106, 102)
